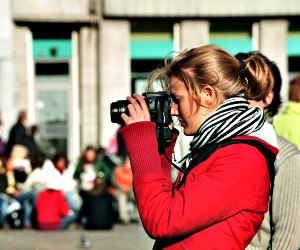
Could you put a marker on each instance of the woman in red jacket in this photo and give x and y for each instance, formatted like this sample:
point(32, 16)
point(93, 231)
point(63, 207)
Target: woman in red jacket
point(220, 203)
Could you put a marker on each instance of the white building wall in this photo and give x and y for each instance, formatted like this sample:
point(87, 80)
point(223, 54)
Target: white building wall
point(8, 109)
point(52, 11)
point(200, 8)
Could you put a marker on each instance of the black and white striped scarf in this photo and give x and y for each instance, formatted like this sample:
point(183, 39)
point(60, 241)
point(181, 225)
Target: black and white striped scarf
point(232, 118)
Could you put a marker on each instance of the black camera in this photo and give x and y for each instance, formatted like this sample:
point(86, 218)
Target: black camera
point(159, 105)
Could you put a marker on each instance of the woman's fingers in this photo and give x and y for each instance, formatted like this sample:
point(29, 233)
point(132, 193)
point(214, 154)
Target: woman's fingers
point(144, 107)
point(138, 110)
point(142, 102)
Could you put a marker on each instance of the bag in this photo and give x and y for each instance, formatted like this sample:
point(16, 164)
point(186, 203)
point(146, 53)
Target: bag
point(15, 215)
point(15, 219)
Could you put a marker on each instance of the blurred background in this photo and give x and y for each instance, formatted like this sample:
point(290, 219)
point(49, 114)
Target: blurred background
point(65, 61)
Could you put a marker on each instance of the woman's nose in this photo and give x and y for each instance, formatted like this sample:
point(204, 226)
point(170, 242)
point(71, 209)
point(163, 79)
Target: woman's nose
point(174, 109)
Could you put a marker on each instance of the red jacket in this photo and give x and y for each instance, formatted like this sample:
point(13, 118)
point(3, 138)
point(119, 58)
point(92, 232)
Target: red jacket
point(51, 206)
point(221, 205)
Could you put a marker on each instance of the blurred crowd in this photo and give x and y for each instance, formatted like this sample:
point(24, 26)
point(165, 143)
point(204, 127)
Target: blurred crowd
point(50, 193)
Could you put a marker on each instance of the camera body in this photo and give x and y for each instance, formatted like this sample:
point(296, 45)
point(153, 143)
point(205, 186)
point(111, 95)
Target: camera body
point(159, 105)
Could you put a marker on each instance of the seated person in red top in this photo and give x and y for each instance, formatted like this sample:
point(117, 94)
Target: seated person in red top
point(52, 209)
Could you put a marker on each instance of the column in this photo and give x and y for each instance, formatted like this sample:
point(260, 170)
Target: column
point(88, 86)
point(114, 72)
point(24, 71)
point(272, 43)
point(8, 111)
point(193, 34)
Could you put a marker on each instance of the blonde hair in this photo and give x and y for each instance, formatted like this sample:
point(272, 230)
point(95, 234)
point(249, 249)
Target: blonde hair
point(211, 65)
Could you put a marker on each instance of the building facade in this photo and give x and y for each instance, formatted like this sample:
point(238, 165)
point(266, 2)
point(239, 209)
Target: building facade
point(65, 61)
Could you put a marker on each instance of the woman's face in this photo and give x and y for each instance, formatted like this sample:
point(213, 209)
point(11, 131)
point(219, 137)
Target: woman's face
point(90, 155)
point(189, 116)
point(61, 163)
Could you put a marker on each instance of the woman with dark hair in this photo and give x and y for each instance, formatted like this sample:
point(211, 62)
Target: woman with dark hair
point(281, 226)
point(97, 206)
point(88, 167)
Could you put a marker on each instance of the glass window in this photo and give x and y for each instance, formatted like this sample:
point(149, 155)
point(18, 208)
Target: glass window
point(52, 106)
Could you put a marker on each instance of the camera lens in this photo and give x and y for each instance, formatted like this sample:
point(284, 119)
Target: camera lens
point(116, 109)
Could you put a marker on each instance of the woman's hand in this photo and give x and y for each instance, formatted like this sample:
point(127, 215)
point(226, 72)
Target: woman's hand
point(138, 110)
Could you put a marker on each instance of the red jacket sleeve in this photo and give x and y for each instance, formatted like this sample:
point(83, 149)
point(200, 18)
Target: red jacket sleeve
point(141, 138)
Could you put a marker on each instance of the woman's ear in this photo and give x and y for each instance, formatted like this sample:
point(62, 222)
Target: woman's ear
point(263, 103)
point(268, 99)
point(208, 96)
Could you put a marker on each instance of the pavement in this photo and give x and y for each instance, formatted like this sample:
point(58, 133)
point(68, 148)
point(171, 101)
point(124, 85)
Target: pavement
point(121, 237)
